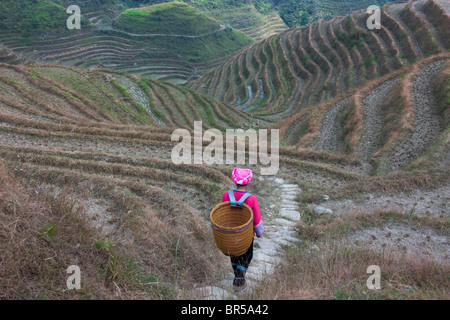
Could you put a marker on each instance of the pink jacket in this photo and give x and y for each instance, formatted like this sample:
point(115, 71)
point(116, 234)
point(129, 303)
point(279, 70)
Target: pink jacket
point(252, 202)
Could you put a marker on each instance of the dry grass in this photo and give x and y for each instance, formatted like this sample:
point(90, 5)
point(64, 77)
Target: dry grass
point(354, 185)
point(41, 236)
point(355, 124)
point(85, 130)
point(421, 29)
point(326, 267)
point(442, 93)
point(441, 20)
point(151, 255)
point(398, 127)
point(55, 134)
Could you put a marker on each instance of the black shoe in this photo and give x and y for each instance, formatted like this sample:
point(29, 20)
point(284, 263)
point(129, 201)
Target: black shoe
point(238, 283)
point(239, 288)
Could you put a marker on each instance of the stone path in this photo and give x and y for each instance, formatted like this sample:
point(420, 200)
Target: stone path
point(279, 231)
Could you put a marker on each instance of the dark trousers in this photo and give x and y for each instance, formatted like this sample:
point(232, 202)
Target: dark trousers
point(240, 265)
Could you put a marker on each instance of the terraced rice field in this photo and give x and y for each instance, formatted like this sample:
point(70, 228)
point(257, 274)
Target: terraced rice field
point(100, 45)
point(361, 114)
point(335, 81)
point(307, 66)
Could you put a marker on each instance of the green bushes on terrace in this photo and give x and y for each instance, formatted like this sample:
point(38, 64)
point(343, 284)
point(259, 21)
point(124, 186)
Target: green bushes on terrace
point(32, 17)
point(168, 18)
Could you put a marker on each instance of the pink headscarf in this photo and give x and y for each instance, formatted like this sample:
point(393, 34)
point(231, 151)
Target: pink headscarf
point(242, 176)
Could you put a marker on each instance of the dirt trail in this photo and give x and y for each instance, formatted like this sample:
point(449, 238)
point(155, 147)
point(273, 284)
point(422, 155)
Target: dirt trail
point(279, 232)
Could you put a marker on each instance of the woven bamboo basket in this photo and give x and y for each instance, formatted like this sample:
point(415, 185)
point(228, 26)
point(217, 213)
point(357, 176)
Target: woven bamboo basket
point(232, 228)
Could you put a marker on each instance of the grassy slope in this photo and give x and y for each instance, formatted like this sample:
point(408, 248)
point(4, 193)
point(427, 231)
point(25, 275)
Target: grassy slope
point(167, 18)
point(32, 17)
point(297, 13)
point(209, 44)
point(36, 254)
point(213, 46)
point(327, 266)
point(209, 41)
point(153, 248)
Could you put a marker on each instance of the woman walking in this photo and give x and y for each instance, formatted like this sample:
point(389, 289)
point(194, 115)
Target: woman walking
point(242, 178)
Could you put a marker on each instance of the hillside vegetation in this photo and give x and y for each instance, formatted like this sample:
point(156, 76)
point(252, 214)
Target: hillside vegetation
point(195, 36)
point(293, 13)
point(94, 150)
point(31, 17)
point(168, 18)
point(166, 56)
point(296, 13)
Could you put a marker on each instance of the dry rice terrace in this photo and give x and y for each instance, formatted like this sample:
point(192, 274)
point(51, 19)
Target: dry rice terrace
point(335, 83)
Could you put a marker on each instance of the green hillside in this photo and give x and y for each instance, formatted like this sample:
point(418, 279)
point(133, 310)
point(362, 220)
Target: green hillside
point(166, 18)
point(297, 13)
point(184, 44)
point(293, 12)
point(212, 46)
point(256, 18)
point(182, 29)
point(30, 17)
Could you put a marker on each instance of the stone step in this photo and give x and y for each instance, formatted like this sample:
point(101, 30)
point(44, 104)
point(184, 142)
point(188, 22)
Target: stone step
point(284, 222)
point(289, 207)
point(290, 193)
point(290, 186)
point(262, 267)
point(289, 202)
point(290, 189)
point(281, 233)
point(290, 214)
point(290, 197)
point(283, 242)
point(253, 274)
point(279, 228)
point(266, 244)
point(268, 252)
point(259, 272)
point(292, 239)
point(261, 256)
